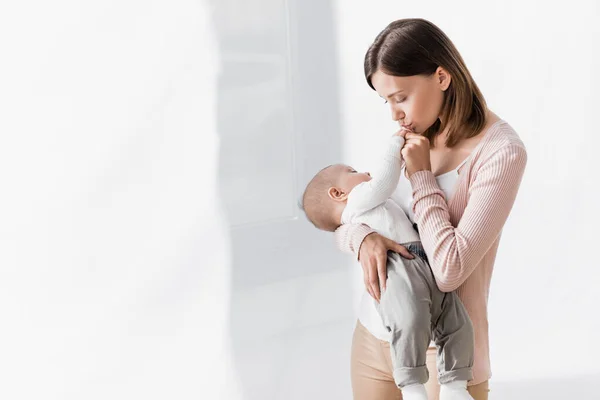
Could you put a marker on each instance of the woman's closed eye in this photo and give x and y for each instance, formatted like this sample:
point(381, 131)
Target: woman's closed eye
point(397, 101)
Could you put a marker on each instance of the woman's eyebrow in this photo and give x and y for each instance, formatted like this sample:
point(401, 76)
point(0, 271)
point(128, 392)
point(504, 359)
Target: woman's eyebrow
point(395, 93)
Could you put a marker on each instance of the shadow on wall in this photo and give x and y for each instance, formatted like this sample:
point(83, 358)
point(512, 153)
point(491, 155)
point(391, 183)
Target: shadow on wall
point(584, 387)
point(278, 123)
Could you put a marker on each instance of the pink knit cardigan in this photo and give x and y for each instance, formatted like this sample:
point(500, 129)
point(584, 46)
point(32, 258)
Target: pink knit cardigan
point(461, 236)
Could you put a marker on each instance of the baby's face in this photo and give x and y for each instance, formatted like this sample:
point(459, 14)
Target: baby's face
point(349, 178)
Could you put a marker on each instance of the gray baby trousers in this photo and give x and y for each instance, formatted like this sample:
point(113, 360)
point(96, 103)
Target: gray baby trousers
point(414, 311)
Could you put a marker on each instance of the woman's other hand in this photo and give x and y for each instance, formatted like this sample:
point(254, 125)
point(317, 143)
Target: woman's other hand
point(373, 259)
point(416, 153)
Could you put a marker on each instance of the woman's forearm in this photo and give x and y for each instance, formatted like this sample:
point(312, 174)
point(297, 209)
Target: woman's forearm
point(349, 237)
point(454, 252)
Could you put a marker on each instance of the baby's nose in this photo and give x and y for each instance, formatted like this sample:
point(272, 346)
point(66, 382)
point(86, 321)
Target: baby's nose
point(368, 173)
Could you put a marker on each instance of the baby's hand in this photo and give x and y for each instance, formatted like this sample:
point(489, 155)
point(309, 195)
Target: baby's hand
point(402, 133)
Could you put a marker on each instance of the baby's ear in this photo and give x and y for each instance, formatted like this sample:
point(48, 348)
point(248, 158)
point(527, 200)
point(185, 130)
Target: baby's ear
point(337, 194)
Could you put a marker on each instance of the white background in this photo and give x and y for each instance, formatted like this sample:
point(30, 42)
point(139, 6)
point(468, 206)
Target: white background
point(113, 252)
point(118, 275)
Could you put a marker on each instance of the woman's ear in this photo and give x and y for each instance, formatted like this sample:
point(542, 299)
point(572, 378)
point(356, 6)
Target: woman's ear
point(337, 194)
point(443, 78)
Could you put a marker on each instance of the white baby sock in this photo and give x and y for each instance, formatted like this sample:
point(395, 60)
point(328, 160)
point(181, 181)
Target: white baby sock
point(414, 392)
point(456, 390)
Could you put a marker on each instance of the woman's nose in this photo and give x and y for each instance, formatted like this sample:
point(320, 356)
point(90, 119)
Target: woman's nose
point(397, 115)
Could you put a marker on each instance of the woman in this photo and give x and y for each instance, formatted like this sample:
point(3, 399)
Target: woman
point(463, 168)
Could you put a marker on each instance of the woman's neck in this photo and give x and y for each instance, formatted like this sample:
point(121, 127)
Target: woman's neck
point(440, 138)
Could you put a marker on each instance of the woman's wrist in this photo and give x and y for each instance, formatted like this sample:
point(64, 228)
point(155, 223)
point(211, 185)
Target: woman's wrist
point(421, 179)
point(359, 236)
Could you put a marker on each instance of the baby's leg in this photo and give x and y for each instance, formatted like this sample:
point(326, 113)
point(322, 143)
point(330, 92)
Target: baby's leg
point(453, 335)
point(405, 309)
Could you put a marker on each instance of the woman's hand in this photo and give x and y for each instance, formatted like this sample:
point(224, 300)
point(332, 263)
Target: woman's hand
point(373, 259)
point(416, 153)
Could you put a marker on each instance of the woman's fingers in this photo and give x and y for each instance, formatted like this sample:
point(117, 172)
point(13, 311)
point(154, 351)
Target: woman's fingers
point(415, 153)
point(416, 140)
point(373, 259)
point(416, 136)
point(398, 248)
point(382, 273)
point(368, 257)
point(368, 287)
point(366, 276)
point(365, 263)
point(374, 278)
point(403, 251)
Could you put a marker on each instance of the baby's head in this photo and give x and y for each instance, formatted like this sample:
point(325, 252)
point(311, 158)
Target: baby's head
point(326, 194)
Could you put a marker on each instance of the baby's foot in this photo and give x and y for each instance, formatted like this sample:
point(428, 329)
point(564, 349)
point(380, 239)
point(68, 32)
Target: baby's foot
point(456, 390)
point(414, 392)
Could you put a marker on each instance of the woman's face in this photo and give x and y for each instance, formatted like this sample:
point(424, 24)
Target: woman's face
point(415, 101)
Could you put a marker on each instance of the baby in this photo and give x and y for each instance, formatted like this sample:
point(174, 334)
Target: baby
point(412, 307)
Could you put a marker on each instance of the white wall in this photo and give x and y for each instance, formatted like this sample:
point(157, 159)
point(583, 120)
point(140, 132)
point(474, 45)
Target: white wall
point(109, 210)
point(114, 260)
point(537, 67)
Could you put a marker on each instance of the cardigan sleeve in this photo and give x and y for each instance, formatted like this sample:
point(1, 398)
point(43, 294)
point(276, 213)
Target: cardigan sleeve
point(454, 252)
point(349, 237)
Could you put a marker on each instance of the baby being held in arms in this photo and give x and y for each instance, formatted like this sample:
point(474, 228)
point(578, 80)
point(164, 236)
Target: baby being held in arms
point(412, 307)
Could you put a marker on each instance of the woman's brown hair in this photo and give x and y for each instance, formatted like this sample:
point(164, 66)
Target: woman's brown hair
point(408, 47)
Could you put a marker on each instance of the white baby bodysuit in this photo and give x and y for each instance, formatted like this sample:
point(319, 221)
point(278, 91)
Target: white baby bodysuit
point(370, 202)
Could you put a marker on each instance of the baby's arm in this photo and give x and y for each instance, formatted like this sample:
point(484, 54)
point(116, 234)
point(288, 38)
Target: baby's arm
point(369, 195)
